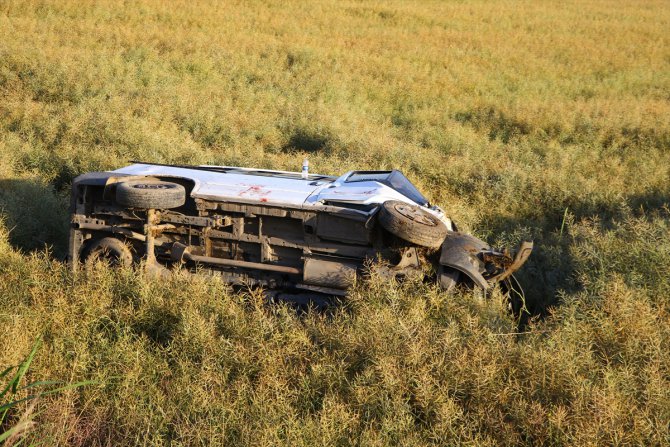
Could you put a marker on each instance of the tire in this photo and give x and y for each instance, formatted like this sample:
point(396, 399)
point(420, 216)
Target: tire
point(150, 194)
point(109, 249)
point(411, 223)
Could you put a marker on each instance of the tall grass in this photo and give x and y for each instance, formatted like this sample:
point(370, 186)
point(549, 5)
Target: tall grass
point(506, 113)
point(16, 392)
point(188, 361)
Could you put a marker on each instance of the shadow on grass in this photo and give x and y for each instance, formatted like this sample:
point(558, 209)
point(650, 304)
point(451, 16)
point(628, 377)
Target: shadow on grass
point(159, 325)
point(309, 141)
point(35, 215)
point(552, 269)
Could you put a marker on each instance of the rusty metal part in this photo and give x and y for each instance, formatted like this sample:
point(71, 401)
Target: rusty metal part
point(112, 229)
point(157, 229)
point(408, 266)
point(151, 230)
point(409, 259)
point(483, 265)
point(148, 232)
point(329, 273)
point(494, 263)
point(199, 221)
point(180, 251)
point(520, 259)
point(459, 251)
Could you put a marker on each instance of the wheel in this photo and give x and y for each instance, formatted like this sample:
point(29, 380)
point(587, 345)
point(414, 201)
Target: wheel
point(150, 194)
point(411, 223)
point(109, 249)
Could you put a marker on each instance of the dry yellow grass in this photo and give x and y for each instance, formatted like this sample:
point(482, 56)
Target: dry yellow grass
point(506, 112)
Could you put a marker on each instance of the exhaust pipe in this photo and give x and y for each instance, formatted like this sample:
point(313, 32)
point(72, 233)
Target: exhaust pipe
point(182, 252)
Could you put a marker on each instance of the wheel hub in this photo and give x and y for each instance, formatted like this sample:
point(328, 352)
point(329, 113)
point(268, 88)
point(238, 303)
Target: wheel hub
point(415, 214)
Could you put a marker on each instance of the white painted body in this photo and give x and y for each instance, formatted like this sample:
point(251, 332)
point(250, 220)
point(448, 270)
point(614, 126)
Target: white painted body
point(243, 185)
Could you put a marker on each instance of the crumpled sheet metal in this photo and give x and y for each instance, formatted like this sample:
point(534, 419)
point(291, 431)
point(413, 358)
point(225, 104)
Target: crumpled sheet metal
point(459, 251)
point(472, 256)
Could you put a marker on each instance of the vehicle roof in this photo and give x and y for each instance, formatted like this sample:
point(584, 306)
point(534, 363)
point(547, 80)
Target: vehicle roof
point(279, 188)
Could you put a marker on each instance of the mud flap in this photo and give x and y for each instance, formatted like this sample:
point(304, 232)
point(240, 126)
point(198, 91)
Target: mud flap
point(459, 251)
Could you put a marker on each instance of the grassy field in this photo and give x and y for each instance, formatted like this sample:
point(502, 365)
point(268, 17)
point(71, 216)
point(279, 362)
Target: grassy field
point(522, 119)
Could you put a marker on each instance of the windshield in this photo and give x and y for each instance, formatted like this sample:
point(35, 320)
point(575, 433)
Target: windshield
point(394, 179)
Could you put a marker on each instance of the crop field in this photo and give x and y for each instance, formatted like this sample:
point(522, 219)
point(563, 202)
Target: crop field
point(522, 119)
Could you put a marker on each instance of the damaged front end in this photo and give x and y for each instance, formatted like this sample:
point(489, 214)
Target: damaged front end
point(466, 259)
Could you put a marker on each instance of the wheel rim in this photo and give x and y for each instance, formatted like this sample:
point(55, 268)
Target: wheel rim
point(111, 251)
point(415, 214)
point(111, 257)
